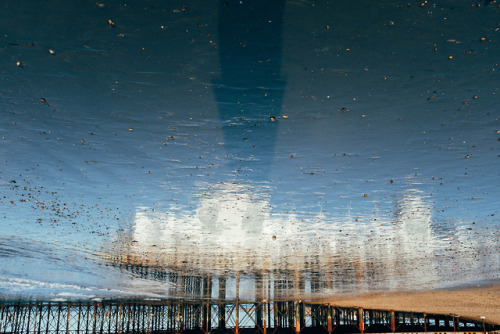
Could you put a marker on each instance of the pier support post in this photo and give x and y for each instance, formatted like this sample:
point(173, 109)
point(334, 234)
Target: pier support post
point(237, 306)
point(329, 320)
point(1, 316)
point(361, 320)
point(94, 317)
point(393, 321)
point(264, 316)
point(222, 305)
point(67, 318)
point(207, 295)
point(297, 317)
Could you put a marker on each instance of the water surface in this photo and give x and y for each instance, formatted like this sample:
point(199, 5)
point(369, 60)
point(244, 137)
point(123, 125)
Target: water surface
point(294, 149)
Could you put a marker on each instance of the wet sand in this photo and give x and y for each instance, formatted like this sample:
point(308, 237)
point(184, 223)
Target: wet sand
point(467, 302)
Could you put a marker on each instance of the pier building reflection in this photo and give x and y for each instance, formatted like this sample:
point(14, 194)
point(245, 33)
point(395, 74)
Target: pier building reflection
point(213, 253)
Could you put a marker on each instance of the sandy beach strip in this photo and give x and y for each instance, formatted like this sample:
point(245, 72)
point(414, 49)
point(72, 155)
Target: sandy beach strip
point(471, 303)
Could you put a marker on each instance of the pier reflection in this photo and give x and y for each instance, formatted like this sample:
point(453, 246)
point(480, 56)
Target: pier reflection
point(234, 246)
point(235, 236)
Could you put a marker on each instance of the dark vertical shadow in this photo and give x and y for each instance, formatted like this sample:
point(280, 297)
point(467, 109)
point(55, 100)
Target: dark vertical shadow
point(250, 89)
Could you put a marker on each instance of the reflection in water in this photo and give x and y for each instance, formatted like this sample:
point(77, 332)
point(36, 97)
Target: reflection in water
point(413, 236)
point(207, 208)
point(250, 90)
point(234, 233)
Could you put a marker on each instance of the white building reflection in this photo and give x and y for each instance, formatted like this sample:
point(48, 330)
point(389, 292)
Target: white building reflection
point(234, 232)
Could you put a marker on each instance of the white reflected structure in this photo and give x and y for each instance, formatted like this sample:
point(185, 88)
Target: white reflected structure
point(234, 231)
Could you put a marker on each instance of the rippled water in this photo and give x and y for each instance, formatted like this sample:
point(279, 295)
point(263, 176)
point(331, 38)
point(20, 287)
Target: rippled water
point(297, 149)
